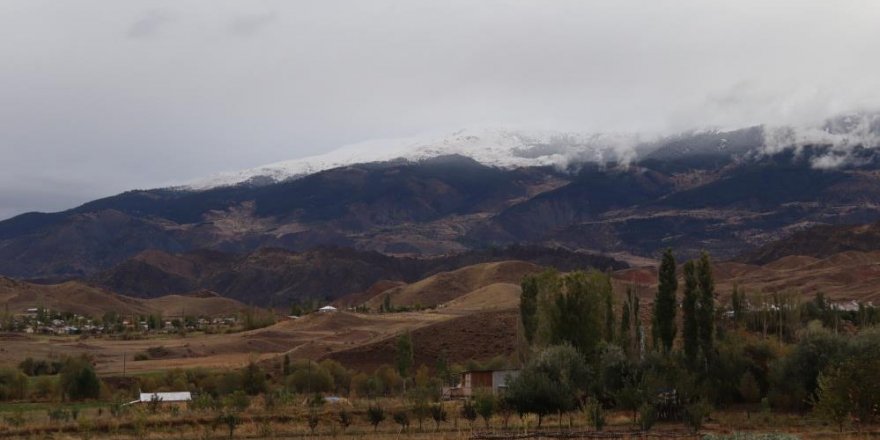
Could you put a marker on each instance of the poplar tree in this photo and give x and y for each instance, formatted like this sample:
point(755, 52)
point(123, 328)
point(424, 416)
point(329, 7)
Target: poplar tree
point(737, 305)
point(624, 336)
point(404, 355)
point(665, 303)
point(528, 306)
point(690, 332)
point(706, 310)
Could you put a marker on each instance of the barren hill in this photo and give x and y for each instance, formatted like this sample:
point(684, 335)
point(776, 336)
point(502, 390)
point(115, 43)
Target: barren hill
point(850, 275)
point(446, 286)
point(83, 299)
point(819, 241)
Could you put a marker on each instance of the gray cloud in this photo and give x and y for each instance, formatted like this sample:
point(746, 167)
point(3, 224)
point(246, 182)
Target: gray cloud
point(148, 24)
point(98, 115)
point(249, 24)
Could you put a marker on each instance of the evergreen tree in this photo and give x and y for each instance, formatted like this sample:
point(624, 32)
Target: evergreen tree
point(285, 367)
point(609, 315)
point(528, 306)
point(404, 355)
point(706, 309)
point(737, 305)
point(665, 303)
point(690, 332)
point(624, 338)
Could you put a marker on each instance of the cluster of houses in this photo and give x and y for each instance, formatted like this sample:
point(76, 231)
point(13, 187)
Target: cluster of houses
point(43, 321)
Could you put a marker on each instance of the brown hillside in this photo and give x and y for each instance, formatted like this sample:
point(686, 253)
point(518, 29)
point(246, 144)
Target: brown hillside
point(820, 241)
point(83, 299)
point(446, 286)
point(847, 275)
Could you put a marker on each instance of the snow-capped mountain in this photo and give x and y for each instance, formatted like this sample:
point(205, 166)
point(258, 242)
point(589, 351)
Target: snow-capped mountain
point(512, 148)
point(494, 147)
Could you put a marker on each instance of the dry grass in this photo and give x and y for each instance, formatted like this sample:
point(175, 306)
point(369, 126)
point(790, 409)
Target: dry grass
point(290, 422)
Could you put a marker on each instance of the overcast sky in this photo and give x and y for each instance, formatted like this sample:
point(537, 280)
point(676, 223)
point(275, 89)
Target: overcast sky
point(97, 97)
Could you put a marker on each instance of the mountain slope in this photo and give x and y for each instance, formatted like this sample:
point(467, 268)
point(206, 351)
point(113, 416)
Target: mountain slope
point(819, 241)
point(728, 192)
point(279, 277)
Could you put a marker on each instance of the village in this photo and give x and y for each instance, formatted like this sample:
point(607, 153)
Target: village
point(39, 320)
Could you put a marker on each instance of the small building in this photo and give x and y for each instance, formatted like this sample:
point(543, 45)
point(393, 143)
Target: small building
point(494, 380)
point(327, 309)
point(164, 397)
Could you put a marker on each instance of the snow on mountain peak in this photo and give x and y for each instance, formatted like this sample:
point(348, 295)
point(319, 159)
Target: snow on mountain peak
point(494, 147)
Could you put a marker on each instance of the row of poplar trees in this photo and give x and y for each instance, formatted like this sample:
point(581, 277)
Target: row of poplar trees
point(577, 309)
point(697, 306)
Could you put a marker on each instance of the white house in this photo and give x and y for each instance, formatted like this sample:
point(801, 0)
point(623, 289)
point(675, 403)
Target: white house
point(327, 309)
point(166, 397)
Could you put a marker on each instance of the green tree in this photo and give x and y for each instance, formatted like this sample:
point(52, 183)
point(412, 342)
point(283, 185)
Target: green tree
point(832, 401)
point(402, 419)
point(749, 389)
point(438, 413)
point(528, 306)
point(595, 414)
point(344, 419)
point(665, 302)
point(253, 379)
point(550, 383)
point(706, 309)
point(690, 323)
point(737, 305)
point(285, 366)
point(78, 380)
point(609, 317)
point(469, 412)
point(404, 356)
point(375, 415)
point(13, 384)
point(485, 403)
point(624, 336)
point(576, 316)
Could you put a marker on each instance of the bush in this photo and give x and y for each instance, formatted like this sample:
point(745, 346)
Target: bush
point(438, 413)
point(13, 384)
point(375, 415)
point(485, 406)
point(402, 419)
point(237, 401)
point(344, 419)
point(469, 412)
point(595, 414)
point(313, 420)
point(647, 416)
point(695, 414)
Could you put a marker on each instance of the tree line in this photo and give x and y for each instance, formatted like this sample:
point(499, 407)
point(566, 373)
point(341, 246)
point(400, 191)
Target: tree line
point(587, 349)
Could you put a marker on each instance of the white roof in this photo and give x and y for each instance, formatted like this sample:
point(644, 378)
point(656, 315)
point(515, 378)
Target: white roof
point(327, 308)
point(177, 396)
